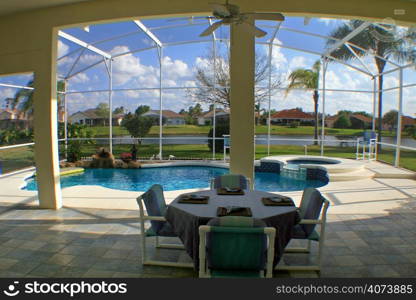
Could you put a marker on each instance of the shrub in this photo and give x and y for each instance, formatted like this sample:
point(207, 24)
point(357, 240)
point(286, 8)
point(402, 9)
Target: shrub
point(221, 129)
point(73, 152)
point(126, 156)
point(343, 122)
point(294, 125)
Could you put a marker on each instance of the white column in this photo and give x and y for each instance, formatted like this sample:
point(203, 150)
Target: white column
point(215, 108)
point(270, 98)
point(65, 117)
point(373, 127)
point(110, 100)
point(45, 125)
point(160, 51)
point(242, 64)
point(324, 65)
point(399, 119)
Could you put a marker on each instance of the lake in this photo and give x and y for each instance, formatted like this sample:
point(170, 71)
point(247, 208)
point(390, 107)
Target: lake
point(261, 139)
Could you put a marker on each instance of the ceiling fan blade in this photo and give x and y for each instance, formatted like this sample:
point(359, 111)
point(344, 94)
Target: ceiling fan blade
point(257, 32)
point(221, 9)
point(212, 28)
point(267, 16)
point(186, 19)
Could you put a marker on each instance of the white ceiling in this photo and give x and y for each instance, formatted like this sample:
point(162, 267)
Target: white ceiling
point(14, 6)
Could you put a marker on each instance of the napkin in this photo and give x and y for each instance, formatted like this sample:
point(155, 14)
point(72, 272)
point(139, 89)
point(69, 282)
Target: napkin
point(194, 199)
point(229, 191)
point(234, 211)
point(277, 201)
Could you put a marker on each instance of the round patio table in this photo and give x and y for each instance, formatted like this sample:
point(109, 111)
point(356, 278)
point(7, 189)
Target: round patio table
point(186, 218)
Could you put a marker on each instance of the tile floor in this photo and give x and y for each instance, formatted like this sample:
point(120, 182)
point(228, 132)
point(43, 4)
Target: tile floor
point(90, 242)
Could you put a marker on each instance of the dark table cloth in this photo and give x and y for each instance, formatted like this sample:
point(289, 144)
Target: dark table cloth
point(185, 219)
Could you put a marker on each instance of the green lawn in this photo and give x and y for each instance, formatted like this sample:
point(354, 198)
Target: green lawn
point(408, 158)
point(101, 131)
point(18, 158)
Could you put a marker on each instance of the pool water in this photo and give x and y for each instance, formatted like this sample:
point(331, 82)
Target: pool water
point(173, 178)
point(311, 161)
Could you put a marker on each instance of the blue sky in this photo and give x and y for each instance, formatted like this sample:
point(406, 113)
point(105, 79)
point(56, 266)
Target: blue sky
point(140, 70)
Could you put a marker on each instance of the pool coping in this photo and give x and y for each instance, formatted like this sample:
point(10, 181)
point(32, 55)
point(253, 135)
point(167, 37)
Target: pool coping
point(344, 165)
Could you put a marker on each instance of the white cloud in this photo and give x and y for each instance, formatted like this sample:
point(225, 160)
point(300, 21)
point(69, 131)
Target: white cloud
point(128, 68)
point(298, 62)
point(278, 58)
point(80, 78)
point(175, 69)
point(62, 48)
point(327, 21)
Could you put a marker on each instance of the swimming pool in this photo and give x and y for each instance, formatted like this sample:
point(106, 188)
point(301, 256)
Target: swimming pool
point(174, 178)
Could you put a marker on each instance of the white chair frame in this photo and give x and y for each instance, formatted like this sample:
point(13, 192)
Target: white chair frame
point(204, 272)
point(322, 222)
point(250, 187)
point(145, 260)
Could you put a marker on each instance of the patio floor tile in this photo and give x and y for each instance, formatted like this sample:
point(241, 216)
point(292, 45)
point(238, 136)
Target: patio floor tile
point(87, 242)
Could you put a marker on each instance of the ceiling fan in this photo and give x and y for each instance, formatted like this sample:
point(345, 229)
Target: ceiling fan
point(230, 13)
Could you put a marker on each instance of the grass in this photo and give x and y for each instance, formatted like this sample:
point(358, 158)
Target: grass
point(18, 158)
point(407, 160)
point(101, 131)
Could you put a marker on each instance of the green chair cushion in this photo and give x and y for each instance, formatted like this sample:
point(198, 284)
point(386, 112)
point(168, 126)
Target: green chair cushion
point(237, 248)
point(314, 236)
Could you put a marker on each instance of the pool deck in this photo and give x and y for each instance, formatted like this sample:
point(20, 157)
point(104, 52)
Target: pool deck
point(379, 193)
point(96, 234)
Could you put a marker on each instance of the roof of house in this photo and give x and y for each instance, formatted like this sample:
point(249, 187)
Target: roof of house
point(92, 114)
point(406, 120)
point(165, 112)
point(332, 118)
point(210, 114)
point(292, 114)
point(362, 118)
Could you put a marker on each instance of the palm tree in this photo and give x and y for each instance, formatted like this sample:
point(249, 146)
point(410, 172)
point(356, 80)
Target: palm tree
point(309, 79)
point(382, 42)
point(24, 97)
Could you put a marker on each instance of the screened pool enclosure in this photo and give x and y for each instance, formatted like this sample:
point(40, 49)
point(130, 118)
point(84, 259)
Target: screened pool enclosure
point(119, 67)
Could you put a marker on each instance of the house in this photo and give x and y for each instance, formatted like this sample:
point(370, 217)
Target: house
point(7, 115)
point(90, 117)
point(170, 117)
point(12, 114)
point(358, 121)
point(406, 123)
point(288, 116)
point(207, 118)
point(330, 121)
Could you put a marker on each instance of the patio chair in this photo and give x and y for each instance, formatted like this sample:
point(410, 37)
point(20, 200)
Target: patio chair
point(312, 211)
point(367, 146)
point(154, 201)
point(231, 181)
point(236, 247)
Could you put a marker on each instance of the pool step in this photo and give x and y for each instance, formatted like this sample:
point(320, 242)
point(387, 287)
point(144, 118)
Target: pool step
point(352, 175)
point(345, 167)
